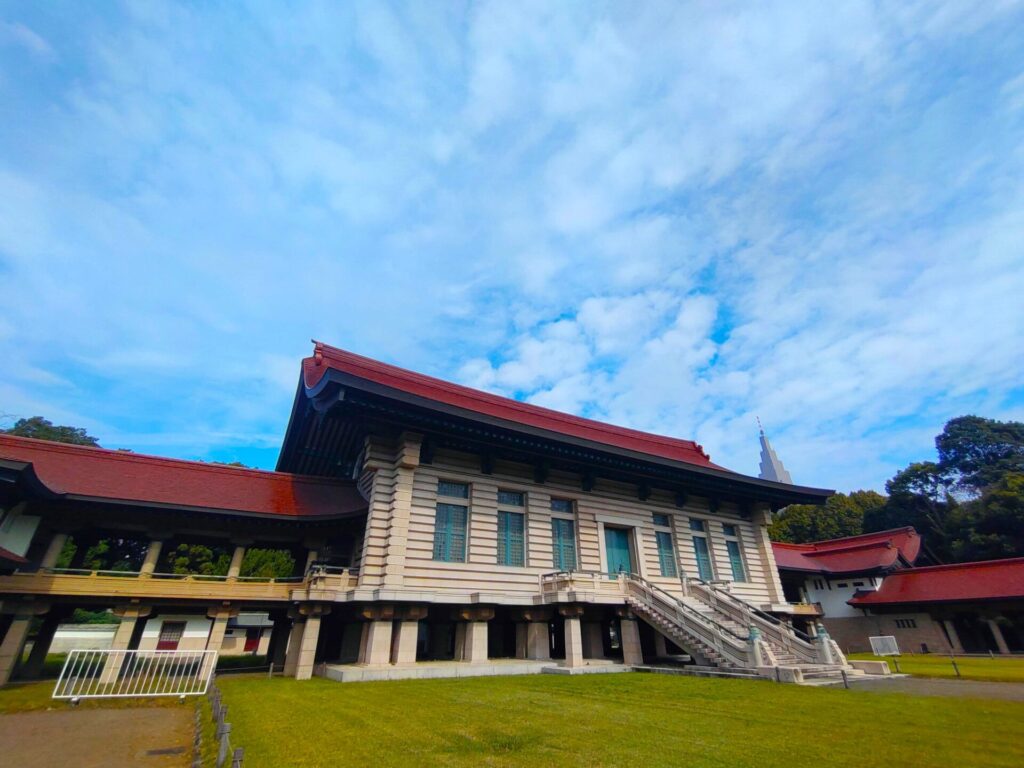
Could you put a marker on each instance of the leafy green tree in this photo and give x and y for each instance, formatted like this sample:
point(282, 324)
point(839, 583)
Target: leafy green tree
point(840, 516)
point(115, 554)
point(198, 558)
point(920, 496)
point(83, 616)
point(268, 563)
point(977, 452)
point(992, 526)
point(44, 429)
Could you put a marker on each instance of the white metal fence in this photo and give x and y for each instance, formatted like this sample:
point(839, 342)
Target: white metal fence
point(884, 645)
point(107, 673)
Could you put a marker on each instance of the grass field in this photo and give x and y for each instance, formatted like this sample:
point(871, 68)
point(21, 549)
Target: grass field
point(27, 697)
point(611, 720)
point(1000, 669)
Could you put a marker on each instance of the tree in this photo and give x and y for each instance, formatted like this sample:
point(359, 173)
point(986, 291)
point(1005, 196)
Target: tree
point(840, 516)
point(919, 496)
point(44, 429)
point(198, 558)
point(992, 526)
point(268, 563)
point(977, 452)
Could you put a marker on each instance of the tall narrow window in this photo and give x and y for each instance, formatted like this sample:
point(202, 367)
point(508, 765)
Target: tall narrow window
point(563, 544)
point(666, 554)
point(732, 544)
point(701, 549)
point(511, 529)
point(450, 522)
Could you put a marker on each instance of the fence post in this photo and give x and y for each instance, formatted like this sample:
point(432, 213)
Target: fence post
point(236, 759)
point(955, 667)
point(224, 734)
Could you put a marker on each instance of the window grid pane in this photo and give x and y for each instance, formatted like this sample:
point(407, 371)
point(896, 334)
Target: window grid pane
point(511, 499)
point(700, 546)
point(736, 561)
point(563, 544)
point(661, 520)
point(450, 533)
point(511, 541)
point(697, 525)
point(666, 555)
point(730, 530)
point(455, 490)
point(561, 505)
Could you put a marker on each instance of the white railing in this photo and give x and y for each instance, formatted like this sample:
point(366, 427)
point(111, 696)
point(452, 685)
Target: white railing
point(100, 674)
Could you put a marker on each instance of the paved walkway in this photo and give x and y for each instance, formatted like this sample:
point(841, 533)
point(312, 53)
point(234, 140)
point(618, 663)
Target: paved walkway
point(929, 686)
point(98, 738)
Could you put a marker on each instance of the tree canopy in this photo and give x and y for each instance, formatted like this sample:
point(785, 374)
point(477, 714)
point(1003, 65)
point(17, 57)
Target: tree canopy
point(842, 515)
point(44, 429)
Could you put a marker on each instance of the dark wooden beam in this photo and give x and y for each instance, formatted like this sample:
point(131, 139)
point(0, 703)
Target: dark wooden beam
point(681, 498)
point(487, 463)
point(427, 451)
point(713, 504)
point(643, 491)
point(540, 472)
point(588, 481)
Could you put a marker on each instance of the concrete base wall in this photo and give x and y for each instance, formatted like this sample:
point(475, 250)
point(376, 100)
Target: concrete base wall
point(852, 633)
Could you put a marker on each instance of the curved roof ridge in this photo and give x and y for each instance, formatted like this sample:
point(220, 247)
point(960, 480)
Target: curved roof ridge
point(314, 370)
point(872, 534)
point(54, 446)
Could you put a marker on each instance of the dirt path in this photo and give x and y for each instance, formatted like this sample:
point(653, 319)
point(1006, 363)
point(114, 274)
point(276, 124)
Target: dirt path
point(98, 738)
point(928, 686)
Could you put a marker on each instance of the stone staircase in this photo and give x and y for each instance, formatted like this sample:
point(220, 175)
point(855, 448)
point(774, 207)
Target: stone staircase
point(726, 634)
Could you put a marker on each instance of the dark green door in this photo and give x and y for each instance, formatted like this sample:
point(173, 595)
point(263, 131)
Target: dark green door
point(616, 544)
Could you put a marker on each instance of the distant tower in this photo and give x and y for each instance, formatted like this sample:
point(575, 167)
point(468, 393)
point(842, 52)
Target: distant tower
point(771, 466)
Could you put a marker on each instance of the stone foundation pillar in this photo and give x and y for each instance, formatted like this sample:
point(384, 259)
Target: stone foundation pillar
point(632, 654)
point(573, 635)
point(954, 636)
point(538, 641)
point(660, 648)
point(376, 645)
point(278, 640)
point(522, 644)
point(307, 647)
point(221, 616)
point(476, 642)
point(460, 641)
point(997, 634)
point(403, 647)
point(593, 640)
point(13, 644)
point(130, 617)
point(291, 659)
point(44, 637)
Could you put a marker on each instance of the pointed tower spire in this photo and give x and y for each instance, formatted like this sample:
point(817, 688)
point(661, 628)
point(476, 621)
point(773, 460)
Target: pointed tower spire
point(771, 466)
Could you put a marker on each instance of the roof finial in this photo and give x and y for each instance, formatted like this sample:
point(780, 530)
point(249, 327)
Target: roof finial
point(760, 428)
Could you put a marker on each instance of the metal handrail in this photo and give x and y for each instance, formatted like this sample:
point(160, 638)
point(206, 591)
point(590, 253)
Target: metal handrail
point(677, 603)
point(173, 576)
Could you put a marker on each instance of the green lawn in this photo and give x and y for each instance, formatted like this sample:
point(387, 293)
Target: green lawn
point(609, 720)
point(971, 667)
point(26, 697)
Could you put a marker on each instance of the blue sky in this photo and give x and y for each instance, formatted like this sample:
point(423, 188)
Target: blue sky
point(670, 216)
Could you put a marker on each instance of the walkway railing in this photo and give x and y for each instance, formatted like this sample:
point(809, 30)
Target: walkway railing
point(105, 674)
point(222, 732)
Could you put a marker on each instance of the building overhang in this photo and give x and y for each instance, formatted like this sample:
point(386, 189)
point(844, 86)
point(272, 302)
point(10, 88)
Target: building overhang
point(331, 418)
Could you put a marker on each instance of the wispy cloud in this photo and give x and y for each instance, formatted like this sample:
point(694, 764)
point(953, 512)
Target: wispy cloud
point(671, 216)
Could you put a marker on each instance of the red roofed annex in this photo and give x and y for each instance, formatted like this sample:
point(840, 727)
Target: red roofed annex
point(424, 521)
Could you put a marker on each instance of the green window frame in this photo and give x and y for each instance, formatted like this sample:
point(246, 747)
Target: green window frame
point(563, 544)
point(739, 573)
point(666, 554)
point(700, 547)
point(511, 538)
point(450, 532)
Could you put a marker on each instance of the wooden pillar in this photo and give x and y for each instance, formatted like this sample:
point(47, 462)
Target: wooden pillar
point(152, 556)
point(236, 561)
point(221, 615)
point(53, 550)
point(954, 636)
point(307, 648)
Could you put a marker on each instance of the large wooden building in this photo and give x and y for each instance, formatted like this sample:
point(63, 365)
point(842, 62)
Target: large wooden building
point(429, 524)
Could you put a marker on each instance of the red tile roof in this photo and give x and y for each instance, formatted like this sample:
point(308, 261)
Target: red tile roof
point(97, 473)
point(990, 580)
point(853, 554)
point(326, 358)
